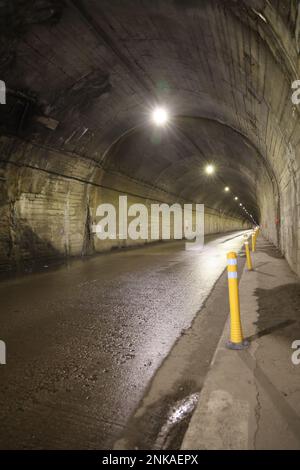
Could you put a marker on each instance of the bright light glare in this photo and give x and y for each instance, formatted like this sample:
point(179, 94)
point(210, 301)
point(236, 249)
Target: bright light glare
point(241, 204)
point(236, 198)
point(209, 169)
point(160, 116)
point(226, 189)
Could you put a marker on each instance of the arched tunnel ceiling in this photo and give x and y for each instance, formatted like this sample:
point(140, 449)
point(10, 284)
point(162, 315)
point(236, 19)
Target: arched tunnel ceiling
point(174, 159)
point(92, 71)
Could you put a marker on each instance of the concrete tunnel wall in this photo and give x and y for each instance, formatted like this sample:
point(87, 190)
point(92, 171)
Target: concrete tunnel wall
point(223, 69)
point(45, 216)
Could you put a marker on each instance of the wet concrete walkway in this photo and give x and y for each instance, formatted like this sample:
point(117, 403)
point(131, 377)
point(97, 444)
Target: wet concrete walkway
point(84, 341)
point(250, 399)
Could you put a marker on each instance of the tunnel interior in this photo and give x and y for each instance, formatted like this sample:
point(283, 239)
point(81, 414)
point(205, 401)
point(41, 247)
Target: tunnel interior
point(82, 78)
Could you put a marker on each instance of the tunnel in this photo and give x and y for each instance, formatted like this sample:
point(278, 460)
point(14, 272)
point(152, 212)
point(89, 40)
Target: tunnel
point(81, 81)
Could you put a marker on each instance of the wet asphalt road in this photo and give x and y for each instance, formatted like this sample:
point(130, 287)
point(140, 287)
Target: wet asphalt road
point(83, 341)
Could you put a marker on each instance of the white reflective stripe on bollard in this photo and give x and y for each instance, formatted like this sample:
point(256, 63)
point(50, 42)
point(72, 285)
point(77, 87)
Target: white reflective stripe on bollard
point(232, 275)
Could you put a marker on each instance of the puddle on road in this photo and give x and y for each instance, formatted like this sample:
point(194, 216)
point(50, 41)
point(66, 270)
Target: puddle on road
point(179, 414)
point(163, 424)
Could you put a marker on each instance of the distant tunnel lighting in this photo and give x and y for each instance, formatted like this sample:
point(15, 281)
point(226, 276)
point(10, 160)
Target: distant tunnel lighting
point(236, 198)
point(226, 189)
point(241, 204)
point(160, 116)
point(209, 169)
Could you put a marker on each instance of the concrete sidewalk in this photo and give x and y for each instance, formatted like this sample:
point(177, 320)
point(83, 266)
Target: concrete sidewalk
point(251, 398)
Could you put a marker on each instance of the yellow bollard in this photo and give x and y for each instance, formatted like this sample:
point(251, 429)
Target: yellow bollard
point(248, 256)
point(236, 335)
point(253, 242)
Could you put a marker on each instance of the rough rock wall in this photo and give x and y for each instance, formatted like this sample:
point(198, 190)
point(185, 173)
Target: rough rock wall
point(290, 210)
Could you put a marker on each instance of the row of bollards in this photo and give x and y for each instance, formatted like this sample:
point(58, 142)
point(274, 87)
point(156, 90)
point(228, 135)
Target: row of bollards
point(237, 340)
point(248, 256)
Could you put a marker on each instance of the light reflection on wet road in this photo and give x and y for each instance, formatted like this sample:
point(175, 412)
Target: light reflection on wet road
point(84, 341)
